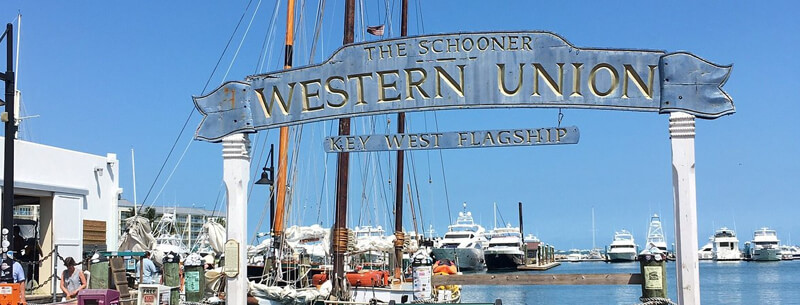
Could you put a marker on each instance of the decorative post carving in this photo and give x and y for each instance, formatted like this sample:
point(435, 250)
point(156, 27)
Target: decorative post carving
point(236, 168)
point(681, 133)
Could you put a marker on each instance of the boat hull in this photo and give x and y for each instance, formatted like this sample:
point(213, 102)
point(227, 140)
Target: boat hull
point(766, 255)
point(621, 257)
point(503, 261)
point(466, 258)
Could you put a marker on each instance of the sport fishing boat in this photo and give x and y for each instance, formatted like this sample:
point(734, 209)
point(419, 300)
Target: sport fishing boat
point(764, 246)
point(623, 248)
point(505, 249)
point(726, 245)
point(463, 243)
point(655, 235)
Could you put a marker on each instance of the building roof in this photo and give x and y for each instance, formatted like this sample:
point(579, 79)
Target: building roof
point(176, 210)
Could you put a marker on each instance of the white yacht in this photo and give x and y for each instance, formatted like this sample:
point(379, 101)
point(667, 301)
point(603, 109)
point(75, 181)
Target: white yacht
point(655, 235)
point(764, 246)
point(463, 243)
point(706, 253)
point(505, 249)
point(623, 248)
point(574, 255)
point(726, 245)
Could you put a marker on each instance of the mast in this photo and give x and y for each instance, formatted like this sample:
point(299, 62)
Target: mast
point(398, 200)
point(283, 144)
point(342, 169)
point(594, 232)
point(133, 166)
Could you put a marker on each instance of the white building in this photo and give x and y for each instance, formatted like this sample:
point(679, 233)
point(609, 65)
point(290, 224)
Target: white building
point(76, 194)
point(189, 221)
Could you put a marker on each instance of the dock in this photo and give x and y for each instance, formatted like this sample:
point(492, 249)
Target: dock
point(539, 279)
point(534, 267)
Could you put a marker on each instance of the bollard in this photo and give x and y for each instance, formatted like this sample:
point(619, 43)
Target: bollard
point(172, 276)
point(653, 266)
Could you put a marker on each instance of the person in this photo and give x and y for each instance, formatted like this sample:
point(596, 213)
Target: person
point(72, 279)
point(11, 272)
point(149, 270)
point(19, 241)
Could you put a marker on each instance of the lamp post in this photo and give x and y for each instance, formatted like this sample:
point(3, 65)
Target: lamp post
point(10, 133)
point(267, 178)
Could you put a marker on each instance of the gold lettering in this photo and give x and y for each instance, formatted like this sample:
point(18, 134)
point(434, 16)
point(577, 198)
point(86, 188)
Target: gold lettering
point(453, 46)
point(512, 43)
point(435, 49)
point(393, 139)
point(457, 88)
point(533, 133)
point(438, 135)
point(401, 50)
point(647, 90)
point(363, 140)
point(561, 132)
point(464, 44)
point(501, 83)
point(276, 95)
point(504, 137)
point(360, 86)
point(387, 51)
point(383, 85)
point(369, 52)
point(485, 43)
point(488, 137)
point(351, 143)
point(526, 43)
point(614, 79)
point(539, 70)
point(576, 80)
point(424, 140)
point(417, 84)
point(307, 95)
point(519, 136)
point(498, 43)
point(473, 142)
point(341, 92)
point(412, 141)
point(462, 137)
point(423, 47)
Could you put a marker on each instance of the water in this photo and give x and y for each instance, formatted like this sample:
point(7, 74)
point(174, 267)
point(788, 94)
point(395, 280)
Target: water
point(720, 283)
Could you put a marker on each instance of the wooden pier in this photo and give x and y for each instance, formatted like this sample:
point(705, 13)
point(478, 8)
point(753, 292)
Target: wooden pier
point(534, 267)
point(539, 279)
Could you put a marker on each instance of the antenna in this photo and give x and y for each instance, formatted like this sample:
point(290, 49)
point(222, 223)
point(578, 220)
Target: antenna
point(594, 231)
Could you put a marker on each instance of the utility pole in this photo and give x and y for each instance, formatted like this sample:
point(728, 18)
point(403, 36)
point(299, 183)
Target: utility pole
point(10, 133)
point(342, 169)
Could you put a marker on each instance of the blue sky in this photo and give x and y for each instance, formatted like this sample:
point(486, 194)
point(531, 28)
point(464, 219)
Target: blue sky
point(110, 77)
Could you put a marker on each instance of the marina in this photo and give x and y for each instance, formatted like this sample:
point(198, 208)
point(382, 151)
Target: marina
point(323, 138)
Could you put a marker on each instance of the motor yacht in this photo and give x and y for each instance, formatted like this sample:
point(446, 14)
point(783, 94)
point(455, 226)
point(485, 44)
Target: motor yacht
point(623, 248)
point(505, 249)
point(463, 243)
point(726, 245)
point(764, 246)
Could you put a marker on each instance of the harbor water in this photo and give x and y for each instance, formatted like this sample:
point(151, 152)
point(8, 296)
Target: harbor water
point(720, 283)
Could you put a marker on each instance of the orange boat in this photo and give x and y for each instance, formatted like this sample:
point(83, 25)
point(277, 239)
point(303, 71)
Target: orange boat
point(370, 278)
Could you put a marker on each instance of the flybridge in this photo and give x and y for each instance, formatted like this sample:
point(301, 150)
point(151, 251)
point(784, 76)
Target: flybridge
point(467, 70)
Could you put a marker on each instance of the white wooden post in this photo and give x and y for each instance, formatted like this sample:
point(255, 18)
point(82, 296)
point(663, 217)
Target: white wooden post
point(681, 132)
point(236, 168)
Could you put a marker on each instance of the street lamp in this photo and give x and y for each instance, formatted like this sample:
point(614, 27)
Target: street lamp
point(267, 178)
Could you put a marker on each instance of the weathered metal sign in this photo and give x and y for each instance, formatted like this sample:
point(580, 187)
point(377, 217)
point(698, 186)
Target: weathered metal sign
point(466, 70)
point(457, 139)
